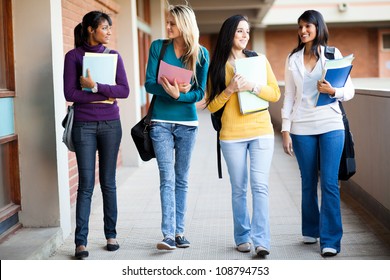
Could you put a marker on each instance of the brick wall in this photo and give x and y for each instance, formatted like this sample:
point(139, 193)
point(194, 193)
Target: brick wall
point(72, 14)
point(362, 42)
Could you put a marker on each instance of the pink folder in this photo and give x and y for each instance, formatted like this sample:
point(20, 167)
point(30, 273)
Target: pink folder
point(172, 72)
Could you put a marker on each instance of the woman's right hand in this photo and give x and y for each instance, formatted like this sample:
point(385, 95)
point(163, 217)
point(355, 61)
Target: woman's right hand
point(237, 83)
point(287, 143)
point(172, 90)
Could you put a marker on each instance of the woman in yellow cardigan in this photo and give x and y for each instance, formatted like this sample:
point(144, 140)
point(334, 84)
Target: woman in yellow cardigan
point(243, 135)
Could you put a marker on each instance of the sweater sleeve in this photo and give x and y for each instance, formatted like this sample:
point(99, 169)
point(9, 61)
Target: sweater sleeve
point(72, 88)
point(151, 84)
point(221, 99)
point(271, 91)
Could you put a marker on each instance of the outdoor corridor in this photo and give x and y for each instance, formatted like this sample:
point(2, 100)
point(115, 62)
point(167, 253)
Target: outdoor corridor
point(209, 219)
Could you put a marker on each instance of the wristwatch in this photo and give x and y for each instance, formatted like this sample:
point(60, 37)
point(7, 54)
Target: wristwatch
point(95, 88)
point(255, 89)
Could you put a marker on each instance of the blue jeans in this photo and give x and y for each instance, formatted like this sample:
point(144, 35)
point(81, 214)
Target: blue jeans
point(105, 137)
point(260, 158)
point(324, 222)
point(173, 145)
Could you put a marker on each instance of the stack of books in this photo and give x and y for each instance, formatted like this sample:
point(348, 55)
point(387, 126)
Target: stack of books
point(336, 72)
point(254, 70)
point(102, 68)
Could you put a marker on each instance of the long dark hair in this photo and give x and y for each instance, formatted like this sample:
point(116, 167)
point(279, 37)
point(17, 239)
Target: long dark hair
point(314, 17)
point(92, 19)
point(216, 74)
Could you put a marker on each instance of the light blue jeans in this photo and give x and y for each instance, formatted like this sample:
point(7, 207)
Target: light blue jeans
point(260, 156)
point(173, 145)
point(324, 222)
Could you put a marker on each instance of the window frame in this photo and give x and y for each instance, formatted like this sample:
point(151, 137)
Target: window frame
point(9, 51)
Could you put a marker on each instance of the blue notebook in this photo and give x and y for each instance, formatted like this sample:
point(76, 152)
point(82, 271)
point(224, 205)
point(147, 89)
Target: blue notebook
point(337, 77)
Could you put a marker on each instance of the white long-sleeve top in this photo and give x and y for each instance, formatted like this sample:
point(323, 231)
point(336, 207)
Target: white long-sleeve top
point(294, 99)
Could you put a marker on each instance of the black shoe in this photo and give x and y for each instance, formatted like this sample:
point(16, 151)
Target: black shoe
point(81, 253)
point(261, 251)
point(112, 247)
point(182, 242)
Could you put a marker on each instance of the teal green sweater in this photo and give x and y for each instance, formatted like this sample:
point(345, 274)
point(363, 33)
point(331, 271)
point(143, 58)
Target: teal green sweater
point(166, 107)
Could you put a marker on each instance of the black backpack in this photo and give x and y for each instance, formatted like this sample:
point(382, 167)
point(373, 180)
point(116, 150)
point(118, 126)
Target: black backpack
point(347, 163)
point(217, 123)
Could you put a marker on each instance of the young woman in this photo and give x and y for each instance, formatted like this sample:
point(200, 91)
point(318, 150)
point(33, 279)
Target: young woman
point(96, 126)
point(243, 135)
point(315, 131)
point(174, 118)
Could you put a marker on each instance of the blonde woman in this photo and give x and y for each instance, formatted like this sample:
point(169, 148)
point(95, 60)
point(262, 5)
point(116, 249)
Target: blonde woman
point(174, 118)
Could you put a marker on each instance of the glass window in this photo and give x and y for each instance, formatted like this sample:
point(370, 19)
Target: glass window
point(3, 84)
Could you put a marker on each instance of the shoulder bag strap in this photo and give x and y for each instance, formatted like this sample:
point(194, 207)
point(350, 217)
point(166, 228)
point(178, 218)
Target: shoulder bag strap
point(329, 52)
point(162, 52)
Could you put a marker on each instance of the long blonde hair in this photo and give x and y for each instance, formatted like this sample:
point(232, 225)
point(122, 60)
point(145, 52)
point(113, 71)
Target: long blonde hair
point(187, 25)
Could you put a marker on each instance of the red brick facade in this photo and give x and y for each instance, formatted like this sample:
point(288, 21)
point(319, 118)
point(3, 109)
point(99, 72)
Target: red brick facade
point(362, 42)
point(72, 14)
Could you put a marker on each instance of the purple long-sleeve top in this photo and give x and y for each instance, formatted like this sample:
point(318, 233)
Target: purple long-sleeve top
point(84, 109)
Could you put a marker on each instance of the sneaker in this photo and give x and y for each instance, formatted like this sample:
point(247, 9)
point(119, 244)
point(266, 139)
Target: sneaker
point(328, 252)
point(166, 244)
point(182, 242)
point(244, 247)
point(261, 251)
point(309, 240)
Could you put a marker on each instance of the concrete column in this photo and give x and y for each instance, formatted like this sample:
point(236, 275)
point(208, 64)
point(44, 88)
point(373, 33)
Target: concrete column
point(39, 108)
point(158, 9)
point(258, 41)
point(127, 42)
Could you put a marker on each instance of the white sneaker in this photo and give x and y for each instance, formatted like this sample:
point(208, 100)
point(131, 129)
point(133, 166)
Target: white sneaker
point(244, 247)
point(328, 252)
point(309, 240)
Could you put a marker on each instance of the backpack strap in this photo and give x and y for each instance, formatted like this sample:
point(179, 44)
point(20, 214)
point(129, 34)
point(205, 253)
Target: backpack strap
point(329, 52)
point(106, 50)
point(160, 57)
point(249, 53)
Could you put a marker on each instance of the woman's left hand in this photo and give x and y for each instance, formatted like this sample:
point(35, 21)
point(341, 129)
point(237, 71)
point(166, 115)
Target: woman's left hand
point(172, 90)
point(325, 87)
point(184, 87)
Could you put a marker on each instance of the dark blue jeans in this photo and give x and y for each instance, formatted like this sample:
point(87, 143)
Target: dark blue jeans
point(105, 137)
point(324, 220)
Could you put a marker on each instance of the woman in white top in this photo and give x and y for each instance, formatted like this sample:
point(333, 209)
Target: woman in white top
point(315, 133)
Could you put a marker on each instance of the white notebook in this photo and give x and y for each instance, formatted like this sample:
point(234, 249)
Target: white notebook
point(254, 70)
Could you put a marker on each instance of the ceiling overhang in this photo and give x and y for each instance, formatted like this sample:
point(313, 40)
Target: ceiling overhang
point(210, 14)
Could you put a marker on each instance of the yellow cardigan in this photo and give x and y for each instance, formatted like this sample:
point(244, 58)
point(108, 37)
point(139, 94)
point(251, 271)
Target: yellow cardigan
point(234, 124)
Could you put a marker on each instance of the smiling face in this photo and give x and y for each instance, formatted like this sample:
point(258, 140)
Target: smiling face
point(307, 31)
point(241, 36)
point(101, 35)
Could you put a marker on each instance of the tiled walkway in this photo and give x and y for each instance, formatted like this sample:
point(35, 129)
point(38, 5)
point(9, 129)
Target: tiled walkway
point(209, 219)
